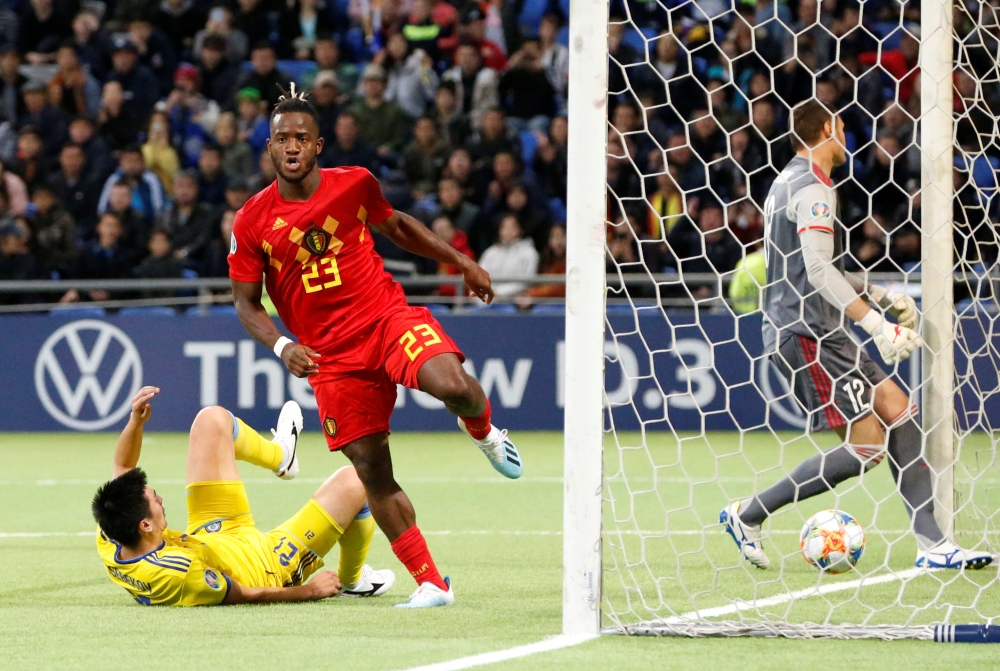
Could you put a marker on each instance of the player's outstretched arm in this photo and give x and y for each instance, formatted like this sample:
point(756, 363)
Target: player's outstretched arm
point(130, 442)
point(324, 584)
point(414, 237)
point(299, 359)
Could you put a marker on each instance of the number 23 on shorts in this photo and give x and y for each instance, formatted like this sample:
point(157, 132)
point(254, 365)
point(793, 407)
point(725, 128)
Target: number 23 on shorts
point(428, 335)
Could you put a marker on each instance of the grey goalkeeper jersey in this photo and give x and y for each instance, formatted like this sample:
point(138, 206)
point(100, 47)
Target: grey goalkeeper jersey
point(800, 199)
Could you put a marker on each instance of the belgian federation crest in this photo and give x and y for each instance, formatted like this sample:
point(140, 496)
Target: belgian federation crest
point(316, 241)
point(330, 426)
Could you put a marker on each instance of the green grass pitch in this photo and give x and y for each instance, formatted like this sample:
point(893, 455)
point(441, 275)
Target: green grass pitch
point(499, 540)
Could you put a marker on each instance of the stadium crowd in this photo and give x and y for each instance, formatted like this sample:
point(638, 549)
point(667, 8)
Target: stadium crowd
point(132, 130)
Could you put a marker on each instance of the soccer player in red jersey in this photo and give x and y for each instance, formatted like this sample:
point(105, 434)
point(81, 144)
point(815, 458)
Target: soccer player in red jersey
point(308, 237)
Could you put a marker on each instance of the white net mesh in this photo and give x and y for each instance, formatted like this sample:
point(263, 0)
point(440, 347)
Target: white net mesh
point(700, 94)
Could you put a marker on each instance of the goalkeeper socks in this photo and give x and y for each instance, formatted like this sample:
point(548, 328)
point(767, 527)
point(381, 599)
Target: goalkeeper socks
point(354, 545)
point(411, 549)
point(817, 474)
point(479, 427)
point(913, 476)
point(254, 448)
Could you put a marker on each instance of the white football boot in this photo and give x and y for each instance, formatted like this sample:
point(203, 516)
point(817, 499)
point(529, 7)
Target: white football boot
point(287, 435)
point(371, 583)
point(747, 537)
point(948, 555)
point(499, 449)
point(429, 595)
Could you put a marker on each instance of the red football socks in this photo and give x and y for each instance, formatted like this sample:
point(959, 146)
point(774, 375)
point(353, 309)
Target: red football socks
point(411, 550)
point(479, 427)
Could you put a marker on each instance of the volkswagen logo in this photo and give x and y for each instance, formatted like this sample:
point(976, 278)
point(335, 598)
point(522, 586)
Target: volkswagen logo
point(100, 360)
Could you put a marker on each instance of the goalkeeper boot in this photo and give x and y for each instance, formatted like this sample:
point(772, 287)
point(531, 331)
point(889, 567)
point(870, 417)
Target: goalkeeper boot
point(287, 435)
point(948, 555)
point(747, 537)
point(429, 595)
point(499, 450)
point(371, 583)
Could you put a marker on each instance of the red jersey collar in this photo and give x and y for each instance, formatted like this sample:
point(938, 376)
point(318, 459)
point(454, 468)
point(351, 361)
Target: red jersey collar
point(822, 176)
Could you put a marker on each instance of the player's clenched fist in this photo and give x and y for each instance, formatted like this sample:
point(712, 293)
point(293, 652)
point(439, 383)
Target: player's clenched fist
point(895, 343)
point(301, 361)
point(478, 281)
point(324, 584)
point(141, 409)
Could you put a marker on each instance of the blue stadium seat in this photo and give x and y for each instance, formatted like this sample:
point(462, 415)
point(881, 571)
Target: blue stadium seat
point(637, 39)
point(211, 311)
point(558, 209)
point(294, 69)
point(499, 308)
point(436, 308)
point(529, 143)
point(531, 15)
point(563, 36)
point(77, 312)
point(549, 309)
point(148, 311)
point(912, 266)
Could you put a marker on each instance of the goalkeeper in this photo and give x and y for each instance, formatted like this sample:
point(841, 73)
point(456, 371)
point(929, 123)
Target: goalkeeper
point(806, 299)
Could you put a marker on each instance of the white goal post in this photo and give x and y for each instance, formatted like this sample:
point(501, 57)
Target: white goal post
point(640, 556)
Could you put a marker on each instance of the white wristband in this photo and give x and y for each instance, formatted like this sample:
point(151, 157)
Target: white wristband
point(871, 322)
point(279, 346)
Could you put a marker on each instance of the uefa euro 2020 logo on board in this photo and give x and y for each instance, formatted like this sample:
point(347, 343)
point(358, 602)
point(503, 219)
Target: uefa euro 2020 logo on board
point(88, 360)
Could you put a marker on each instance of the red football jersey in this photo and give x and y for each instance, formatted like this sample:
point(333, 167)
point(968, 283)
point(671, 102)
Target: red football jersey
point(317, 257)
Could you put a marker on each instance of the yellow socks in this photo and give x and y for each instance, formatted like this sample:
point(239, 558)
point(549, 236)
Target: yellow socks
point(254, 448)
point(354, 546)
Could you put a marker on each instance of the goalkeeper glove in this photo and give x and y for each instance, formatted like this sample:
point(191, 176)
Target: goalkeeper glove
point(895, 343)
point(899, 305)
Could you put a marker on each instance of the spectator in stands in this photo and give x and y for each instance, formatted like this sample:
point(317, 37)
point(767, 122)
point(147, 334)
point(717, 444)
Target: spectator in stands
point(266, 172)
point(252, 122)
point(708, 247)
point(327, 56)
point(473, 31)
point(887, 175)
point(180, 21)
point(87, 40)
point(555, 58)
point(135, 78)
point(100, 162)
point(118, 122)
point(159, 263)
point(424, 158)
point(135, 228)
point(411, 81)
point(456, 239)
point(159, 155)
point(189, 222)
point(525, 91)
point(217, 73)
point(550, 163)
point(421, 32)
point(666, 205)
point(707, 139)
point(534, 217)
point(306, 19)
point(11, 83)
point(381, 123)
point(43, 24)
point(265, 76)
point(251, 18)
point(459, 168)
point(476, 86)
point(155, 51)
point(42, 115)
point(347, 147)
point(76, 189)
point(512, 256)
point(451, 204)
point(622, 178)
point(220, 19)
point(901, 63)
point(73, 89)
point(53, 233)
point(29, 164)
point(104, 259)
point(237, 160)
point(553, 262)
point(325, 100)
point(237, 194)
point(211, 178)
point(446, 15)
point(16, 260)
point(492, 138)
point(619, 54)
point(722, 109)
point(192, 115)
point(452, 124)
point(869, 246)
point(16, 193)
point(145, 189)
point(216, 262)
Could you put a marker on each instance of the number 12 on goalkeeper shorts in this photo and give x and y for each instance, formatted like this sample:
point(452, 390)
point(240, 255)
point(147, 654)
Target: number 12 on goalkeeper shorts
point(427, 336)
point(855, 391)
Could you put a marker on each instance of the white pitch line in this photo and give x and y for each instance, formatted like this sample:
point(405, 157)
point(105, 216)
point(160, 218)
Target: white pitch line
point(739, 606)
point(547, 645)
point(470, 532)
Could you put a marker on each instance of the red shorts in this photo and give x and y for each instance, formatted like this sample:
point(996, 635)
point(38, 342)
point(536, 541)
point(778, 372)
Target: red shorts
point(356, 389)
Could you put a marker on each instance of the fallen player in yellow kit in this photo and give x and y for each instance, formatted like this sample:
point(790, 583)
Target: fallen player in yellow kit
point(223, 558)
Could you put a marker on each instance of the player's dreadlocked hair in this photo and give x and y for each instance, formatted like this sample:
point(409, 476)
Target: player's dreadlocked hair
point(292, 101)
point(120, 505)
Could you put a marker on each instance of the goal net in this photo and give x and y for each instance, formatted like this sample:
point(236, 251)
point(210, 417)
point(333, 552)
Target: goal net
point(695, 416)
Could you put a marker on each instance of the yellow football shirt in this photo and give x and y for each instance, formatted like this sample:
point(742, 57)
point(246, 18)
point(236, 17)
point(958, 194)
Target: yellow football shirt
point(183, 571)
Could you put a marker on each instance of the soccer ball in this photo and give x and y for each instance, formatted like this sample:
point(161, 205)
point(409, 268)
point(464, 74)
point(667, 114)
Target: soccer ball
point(832, 541)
